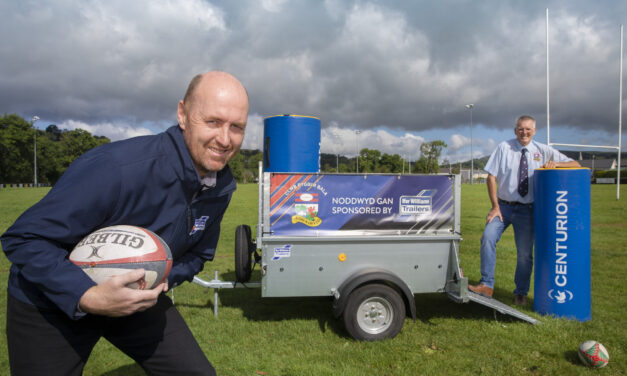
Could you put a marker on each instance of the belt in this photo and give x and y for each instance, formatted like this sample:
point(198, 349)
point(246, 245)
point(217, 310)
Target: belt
point(513, 203)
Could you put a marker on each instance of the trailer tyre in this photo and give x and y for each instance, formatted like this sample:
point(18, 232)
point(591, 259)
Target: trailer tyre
point(243, 253)
point(374, 312)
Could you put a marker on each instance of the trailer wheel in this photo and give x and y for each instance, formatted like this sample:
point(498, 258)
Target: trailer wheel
point(243, 253)
point(374, 312)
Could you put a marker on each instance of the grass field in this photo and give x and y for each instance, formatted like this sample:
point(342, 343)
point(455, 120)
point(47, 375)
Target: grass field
point(300, 336)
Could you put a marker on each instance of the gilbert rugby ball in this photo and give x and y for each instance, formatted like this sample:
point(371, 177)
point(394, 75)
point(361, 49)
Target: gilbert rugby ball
point(593, 354)
point(116, 250)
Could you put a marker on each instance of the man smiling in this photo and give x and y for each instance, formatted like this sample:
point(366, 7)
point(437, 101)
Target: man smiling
point(213, 117)
point(177, 184)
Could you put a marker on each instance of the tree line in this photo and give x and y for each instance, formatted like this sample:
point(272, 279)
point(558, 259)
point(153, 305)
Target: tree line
point(373, 161)
point(58, 148)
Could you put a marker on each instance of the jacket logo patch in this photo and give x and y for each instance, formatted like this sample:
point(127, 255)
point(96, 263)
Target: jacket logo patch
point(199, 224)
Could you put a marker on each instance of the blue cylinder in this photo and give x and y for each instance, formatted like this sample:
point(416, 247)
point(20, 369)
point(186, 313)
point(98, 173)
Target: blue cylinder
point(291, 144)
point(562, 243)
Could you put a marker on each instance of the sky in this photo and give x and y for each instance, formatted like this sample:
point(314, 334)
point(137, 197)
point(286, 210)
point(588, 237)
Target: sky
point(399, 72)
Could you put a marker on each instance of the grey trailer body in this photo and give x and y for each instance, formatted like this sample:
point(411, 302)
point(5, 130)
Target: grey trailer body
point(314, 268)
point(369, 241)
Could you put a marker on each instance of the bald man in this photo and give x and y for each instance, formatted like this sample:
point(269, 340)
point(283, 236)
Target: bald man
point(178, 185)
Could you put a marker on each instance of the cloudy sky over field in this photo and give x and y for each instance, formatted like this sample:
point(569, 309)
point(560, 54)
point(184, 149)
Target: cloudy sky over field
point(400, 72)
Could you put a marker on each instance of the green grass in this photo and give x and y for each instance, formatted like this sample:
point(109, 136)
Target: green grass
point(300, 336)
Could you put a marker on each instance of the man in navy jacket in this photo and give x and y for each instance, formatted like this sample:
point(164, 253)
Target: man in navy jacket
point(176, 184)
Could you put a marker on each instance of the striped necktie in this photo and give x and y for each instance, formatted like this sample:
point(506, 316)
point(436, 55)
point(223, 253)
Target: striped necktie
point(523, 175)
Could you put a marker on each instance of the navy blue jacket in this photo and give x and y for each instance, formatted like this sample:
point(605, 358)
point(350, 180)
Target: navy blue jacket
point(147, 181)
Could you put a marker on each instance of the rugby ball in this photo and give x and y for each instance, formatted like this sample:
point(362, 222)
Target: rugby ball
point(593, 354)
point(116, 250)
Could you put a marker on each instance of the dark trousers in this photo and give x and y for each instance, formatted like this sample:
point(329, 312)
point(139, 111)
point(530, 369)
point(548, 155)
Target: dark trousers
point(47, 342)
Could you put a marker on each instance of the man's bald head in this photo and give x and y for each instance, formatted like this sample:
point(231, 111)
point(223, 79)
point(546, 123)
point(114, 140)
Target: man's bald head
point(216, 78)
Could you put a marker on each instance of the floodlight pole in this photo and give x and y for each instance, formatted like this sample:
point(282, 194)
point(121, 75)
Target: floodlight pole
point(620, 114)
point(593, 157)
point(337, 156)
point(34, 120)
point(357, 132)
point(472, 164)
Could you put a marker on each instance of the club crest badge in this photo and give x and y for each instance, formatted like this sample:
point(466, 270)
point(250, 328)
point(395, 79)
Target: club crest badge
point(306, 209)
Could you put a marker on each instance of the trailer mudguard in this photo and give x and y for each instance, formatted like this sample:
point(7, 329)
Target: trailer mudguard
point(368, 276)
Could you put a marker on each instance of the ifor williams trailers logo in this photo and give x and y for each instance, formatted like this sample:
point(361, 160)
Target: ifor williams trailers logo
point(421, 204)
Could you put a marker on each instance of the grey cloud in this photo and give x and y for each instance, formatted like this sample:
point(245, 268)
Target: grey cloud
point(408, 65)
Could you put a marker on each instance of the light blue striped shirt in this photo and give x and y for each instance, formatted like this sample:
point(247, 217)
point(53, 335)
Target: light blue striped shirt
point(504, 161)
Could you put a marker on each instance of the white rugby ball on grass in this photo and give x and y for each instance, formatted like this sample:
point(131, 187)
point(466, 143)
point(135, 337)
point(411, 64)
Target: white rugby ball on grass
point(116, 250)
point(593, 354)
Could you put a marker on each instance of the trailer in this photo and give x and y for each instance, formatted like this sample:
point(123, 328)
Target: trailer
point(368, 241)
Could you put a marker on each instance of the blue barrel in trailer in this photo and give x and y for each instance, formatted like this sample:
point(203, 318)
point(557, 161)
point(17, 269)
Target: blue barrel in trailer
point(562, 243)
point(291, 144)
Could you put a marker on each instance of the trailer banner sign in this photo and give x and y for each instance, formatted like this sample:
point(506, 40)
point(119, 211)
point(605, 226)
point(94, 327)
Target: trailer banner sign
point(338, 204)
